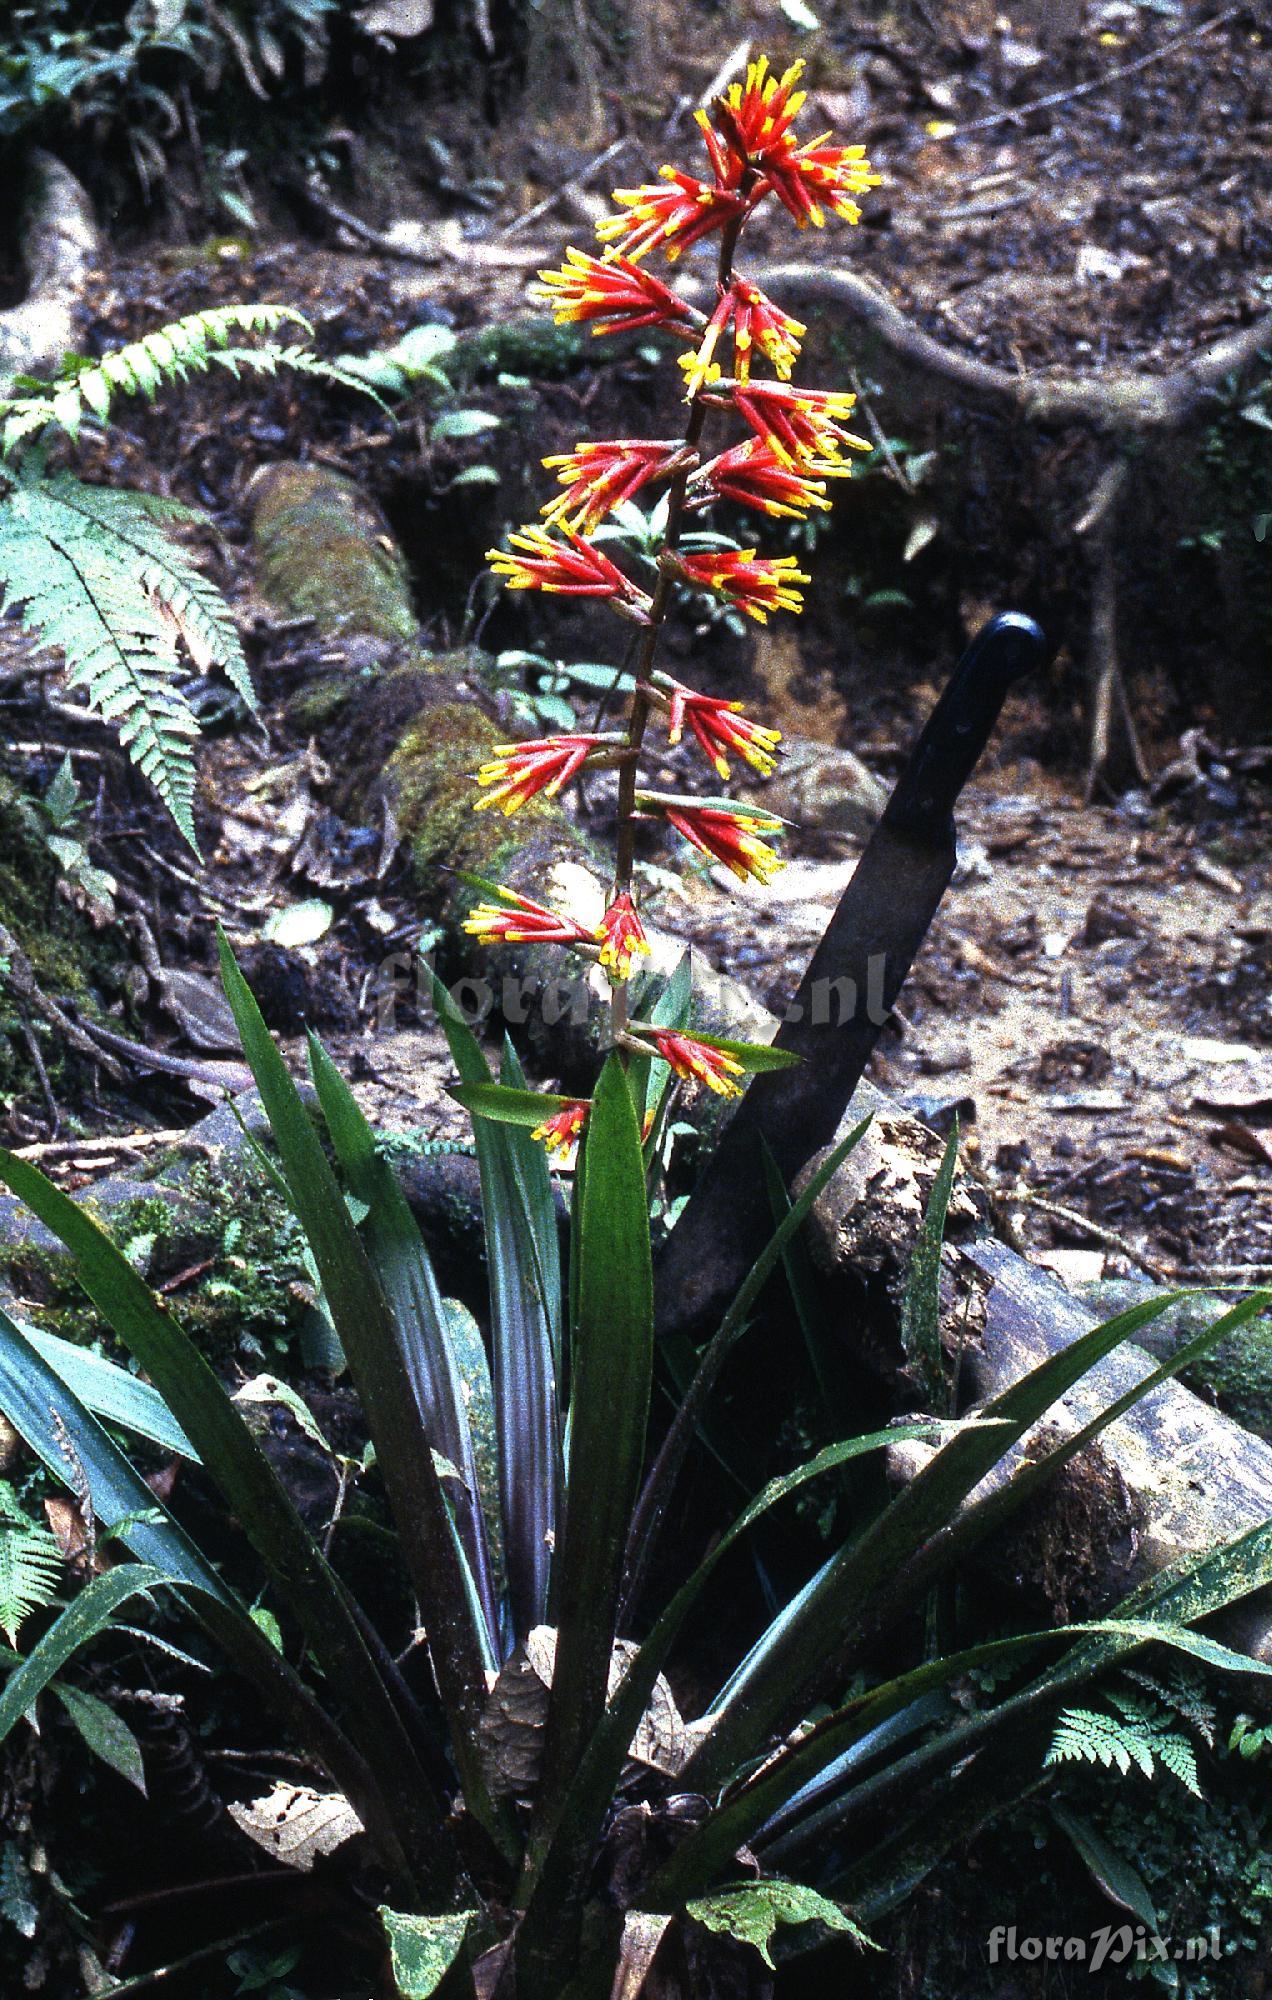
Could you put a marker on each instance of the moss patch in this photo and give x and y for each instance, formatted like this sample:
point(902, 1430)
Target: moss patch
point(223, 1247)
point(69, 958)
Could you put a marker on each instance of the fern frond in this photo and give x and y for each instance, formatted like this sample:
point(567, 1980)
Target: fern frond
point(81, 586)
point(170, 354)
point(1140, 1737)
point(30, 1564)
point(200, 611)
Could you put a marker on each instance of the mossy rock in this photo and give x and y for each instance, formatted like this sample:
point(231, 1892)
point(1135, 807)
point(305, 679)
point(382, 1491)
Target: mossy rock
point(325, 553)
point(70, 960)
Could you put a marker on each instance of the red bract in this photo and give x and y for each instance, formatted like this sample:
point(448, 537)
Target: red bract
point(616, 294)
point(518, 771)
point(719, 726)
point(755, 584)
point(571, 566)
point(599, 477)
point(818, 173)
point(753, 475)
point(698, 1062)
point(756, 117)
point(522, 921)
point(622, 937)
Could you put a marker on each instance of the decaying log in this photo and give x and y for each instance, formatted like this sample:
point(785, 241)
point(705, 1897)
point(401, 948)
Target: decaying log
point(1172, 1477)
point(60, 246)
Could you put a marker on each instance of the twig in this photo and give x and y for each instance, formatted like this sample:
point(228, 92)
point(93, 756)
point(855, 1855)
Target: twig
point(127, 1142)
point(1099, 523)
point(23, 982)
point(1100, 1234)
point(993, 118)
point(575, 185)
point(36, 1054)
point(877, 432)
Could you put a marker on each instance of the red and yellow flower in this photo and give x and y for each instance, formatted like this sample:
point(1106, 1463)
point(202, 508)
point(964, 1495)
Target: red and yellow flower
point(755, 322)
point(517, 772)
point(675, 216)
point(520, 920)
point(730, 834)
point(559, 1132)
point(537, 560)
point(621, 937)
point(719, 727)
point(616, 294)
point(756, 117)
point(599, 476)
point(803, 426)
point(755, 584)
point(753, 475)
point(698, 1062)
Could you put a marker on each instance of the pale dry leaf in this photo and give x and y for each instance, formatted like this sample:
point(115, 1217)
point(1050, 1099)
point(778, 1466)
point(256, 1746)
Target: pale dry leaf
point(296, 1824)
point(642, 1935)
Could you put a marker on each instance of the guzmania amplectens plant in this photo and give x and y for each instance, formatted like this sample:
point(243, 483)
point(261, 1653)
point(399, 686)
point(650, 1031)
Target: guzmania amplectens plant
point(501, 1726)
point(792, 442)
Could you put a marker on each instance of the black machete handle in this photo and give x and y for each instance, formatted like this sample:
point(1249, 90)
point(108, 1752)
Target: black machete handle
point(959, 727)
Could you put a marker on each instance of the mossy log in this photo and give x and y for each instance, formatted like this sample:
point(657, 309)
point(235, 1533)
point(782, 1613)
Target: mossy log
point(1172, 1477)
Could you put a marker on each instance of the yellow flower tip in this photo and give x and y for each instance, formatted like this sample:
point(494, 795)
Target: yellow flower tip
point(939, 128)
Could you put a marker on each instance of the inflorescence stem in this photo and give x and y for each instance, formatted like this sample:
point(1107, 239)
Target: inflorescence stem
point(638, 714)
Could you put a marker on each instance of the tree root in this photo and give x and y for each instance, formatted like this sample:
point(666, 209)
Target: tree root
point(1121, 406)
point(60, 247)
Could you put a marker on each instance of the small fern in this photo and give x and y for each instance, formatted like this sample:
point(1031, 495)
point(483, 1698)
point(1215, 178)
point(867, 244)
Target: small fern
point(1142, 1735)
point(30, 1564)
point(93, 571)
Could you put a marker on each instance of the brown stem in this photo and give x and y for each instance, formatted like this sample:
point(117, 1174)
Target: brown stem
point(638, 715)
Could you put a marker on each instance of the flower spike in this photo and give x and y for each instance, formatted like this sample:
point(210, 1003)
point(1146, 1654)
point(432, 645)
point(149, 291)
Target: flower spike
point(756, 323)
point(617, 295)
point(522, 921)
point(675, 216)
point(622, 937)
point(727, 833)
point(719, 726)
point(753, 475)
point(755, 584)
point(598, 477)
point(559, 1132)
point(699, 1062)
point(572, 567)
point(802, 425)
point(517, 772)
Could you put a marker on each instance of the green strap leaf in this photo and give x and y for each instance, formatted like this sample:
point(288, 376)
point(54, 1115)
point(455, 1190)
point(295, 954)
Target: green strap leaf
point(507, 1106)
point(609, 1409)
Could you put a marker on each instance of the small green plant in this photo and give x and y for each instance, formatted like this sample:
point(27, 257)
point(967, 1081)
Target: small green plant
point(30, 1564)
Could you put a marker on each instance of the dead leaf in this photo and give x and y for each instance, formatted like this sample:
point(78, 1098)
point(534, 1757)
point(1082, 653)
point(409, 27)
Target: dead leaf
point(199, 1008)
point(1243, 1139)
point(642, 1935)
point(296, 1824)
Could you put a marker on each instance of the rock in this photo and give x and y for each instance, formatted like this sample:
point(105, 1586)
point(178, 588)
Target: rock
point(827, 793)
